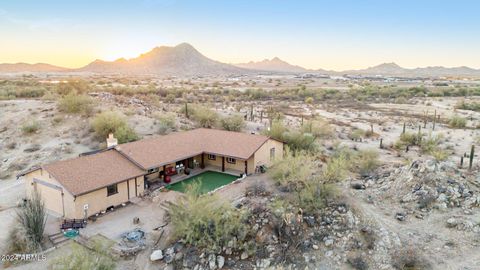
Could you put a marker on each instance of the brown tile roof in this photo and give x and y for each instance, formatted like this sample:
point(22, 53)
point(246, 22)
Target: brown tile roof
point(161, 150)
point(88, 173)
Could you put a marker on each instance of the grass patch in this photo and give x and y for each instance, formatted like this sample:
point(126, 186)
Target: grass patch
point(456, 121)
point(82, 258)
point(30, 127)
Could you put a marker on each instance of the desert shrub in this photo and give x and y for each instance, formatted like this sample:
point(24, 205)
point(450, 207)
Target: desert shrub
point(113, 122)
point(16, 241)
point(78, 87)
point(408, 139)
point(205, 117)
point(204, 221)
point(367, 161)
point(72, 103)
point(313, 195)
point(357, 134)
point(318, 127)
point(292, 168)
point(276, 131)
point(166, 122)
point(298, 141)
point(309, 100)
point(84, 259)
point(30, 127)
point(471, 106)
point(456, 121)
point(31, 217)
point(336, 168)
point(439, 155)
point(233, 123)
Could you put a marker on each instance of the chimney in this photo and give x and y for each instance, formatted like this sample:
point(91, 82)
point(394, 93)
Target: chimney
point(111, 141)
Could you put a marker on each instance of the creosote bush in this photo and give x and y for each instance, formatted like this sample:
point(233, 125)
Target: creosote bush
point(166, 122)
point(292, 168)
point(204, 221)
point(76, 104)
point(336, 169)
point(204, 116)
point(233, 123)
point(113, 122)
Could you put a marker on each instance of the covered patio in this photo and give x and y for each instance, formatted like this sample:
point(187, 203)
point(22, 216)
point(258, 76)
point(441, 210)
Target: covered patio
point(178, 171)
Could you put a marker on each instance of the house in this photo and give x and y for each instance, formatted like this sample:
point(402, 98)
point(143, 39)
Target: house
point(83, 186)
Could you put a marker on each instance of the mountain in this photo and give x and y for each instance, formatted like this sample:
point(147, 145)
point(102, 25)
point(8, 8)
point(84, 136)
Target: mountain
point(392, 69)
point(24, 67)
point(181, 60)
point(274, 64)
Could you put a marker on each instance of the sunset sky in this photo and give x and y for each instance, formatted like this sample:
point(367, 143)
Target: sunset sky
point(331, 34)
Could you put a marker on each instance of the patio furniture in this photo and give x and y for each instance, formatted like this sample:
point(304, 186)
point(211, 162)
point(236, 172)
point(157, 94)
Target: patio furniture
point(168, 179)
point(73, 224)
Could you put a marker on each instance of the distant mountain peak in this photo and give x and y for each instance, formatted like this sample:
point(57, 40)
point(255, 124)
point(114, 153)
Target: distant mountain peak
point(274, 64)
point(180, 60)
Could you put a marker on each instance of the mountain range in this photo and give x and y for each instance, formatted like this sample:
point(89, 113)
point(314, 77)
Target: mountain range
point(185, 60)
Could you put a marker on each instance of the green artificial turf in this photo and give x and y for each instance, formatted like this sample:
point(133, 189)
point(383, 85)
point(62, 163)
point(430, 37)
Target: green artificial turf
point(208, 180)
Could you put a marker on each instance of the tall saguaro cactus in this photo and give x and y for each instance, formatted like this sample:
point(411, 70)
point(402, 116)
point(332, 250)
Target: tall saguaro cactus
point(472, 153)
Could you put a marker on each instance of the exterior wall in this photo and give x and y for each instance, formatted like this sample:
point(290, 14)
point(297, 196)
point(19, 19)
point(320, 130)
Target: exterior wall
point(72, 207)
point(98, 200)
point(262, 156)
point(55, 203)
point(238, 166)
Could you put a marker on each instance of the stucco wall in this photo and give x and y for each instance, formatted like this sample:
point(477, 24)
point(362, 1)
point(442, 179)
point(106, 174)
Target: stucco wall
point(262, 156)
point(238, 166)
point(73, 207)
point(98, 200)
point(54, 203)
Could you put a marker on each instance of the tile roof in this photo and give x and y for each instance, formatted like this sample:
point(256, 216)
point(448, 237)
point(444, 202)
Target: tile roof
point(88, 173)
point(161, 150)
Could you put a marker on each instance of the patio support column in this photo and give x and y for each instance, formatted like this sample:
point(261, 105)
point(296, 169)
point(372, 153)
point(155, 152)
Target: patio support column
point(223, 164)
point(246, 167)
point(164, 171)
point(202, 163)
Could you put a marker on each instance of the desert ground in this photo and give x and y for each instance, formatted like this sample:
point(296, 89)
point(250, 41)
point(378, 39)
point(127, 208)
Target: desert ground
point(416, 208)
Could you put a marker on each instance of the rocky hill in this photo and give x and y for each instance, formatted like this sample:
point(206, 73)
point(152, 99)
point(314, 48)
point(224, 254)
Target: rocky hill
point(181, 60)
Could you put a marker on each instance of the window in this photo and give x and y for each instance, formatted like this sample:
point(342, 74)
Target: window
point(211, 157)
point(112, 190)
point(231, 160)
point(272, 153)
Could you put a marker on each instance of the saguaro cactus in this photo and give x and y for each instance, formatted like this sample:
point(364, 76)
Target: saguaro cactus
point(186, 110)
point(472, 153)
point(404, 126)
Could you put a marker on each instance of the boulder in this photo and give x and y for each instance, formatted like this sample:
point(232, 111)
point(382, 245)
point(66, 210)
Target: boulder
point(220, 261)
point(156, 255)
